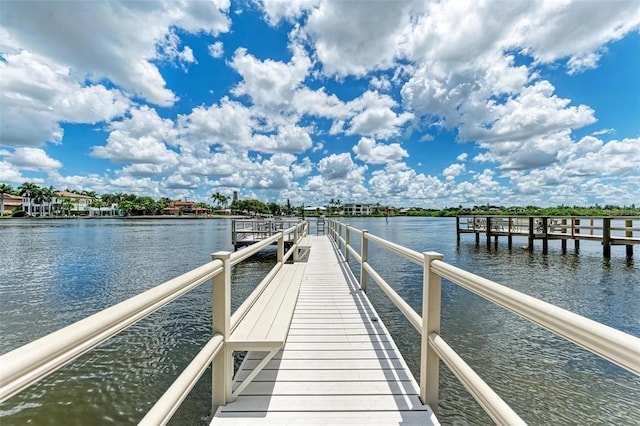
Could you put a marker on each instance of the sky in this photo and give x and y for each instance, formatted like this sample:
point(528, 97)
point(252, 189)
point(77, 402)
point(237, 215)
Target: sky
point(406, 103)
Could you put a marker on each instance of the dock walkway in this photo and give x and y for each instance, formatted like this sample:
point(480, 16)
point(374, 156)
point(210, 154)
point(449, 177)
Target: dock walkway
point(339, 364)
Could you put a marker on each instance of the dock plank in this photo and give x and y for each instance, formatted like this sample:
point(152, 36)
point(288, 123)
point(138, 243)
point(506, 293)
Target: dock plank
point(339, 364)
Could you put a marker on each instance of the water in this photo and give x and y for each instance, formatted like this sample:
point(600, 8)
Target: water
point(55, 272)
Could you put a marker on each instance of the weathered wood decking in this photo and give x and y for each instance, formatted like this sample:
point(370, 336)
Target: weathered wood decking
point(339, 364)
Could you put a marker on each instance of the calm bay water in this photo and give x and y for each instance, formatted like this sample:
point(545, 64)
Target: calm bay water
point(55, 272)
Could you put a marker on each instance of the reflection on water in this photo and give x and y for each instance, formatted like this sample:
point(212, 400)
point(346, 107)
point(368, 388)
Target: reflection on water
point(55, 272)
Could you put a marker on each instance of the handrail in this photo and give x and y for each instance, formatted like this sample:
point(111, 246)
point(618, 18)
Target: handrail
point(170, 401)
point(28, 364)
point(492, 404)
point(607, 342)
point(604, 341)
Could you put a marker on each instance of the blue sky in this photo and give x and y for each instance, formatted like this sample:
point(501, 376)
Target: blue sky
point(409, 103)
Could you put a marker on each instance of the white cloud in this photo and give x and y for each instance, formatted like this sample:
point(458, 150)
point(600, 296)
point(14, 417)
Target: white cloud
point(270, 84)
point(602, 159)
point(374, 116)
point(9, 173)
point(536, 111)
point(453, 170)
point(287, 139)
point(67, 31)
point(340, 167)
point(277, 10)
point(37, 94)
point(141, 138)
point(216, 49)
point(462, 157)
point(352, 38)
point(34, 159)
point(369, 151)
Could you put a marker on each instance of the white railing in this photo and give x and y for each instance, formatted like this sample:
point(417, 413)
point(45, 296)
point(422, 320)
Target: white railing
point(30, 363)
point(609, 343)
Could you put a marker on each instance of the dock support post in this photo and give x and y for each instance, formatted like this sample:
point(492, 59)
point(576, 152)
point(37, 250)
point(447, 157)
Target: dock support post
point(365, 255)
point(509, 237)
point(545, 236)
point(531, 233)
point(629, 234)
point(564, 239)
point(488, 231)
point(576, 232)
point(429, 360)
point(606, 237)
point(458, 229)
point(222, 365)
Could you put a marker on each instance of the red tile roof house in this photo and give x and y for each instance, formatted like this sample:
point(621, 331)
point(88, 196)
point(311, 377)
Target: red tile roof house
point(10, 203)
point(186, 208)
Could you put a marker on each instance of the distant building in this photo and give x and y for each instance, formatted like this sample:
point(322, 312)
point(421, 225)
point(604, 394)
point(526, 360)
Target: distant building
point(79, 203)
point(314, 210)
point(105, 211)
point(76, 204)
point(357, 209)
point(11, 203)
point(185, 208)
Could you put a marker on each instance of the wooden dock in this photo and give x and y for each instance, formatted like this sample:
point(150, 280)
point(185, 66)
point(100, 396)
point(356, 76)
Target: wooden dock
point(609, 231)
point(339, 364)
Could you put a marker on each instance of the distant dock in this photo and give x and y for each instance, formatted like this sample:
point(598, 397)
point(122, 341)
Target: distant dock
point(610, 231)
point(245, 232)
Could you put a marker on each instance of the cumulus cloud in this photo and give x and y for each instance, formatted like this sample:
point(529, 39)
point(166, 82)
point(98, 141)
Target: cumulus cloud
point(340, 166)
point(67, 32)
point(216, 49)
point(141, 138)
point(369, 151)
point(352, 38)
point(34, 159)
point(37, 94)
point(270, 83)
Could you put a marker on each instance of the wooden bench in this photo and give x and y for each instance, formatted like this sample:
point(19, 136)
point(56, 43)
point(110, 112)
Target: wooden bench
point(266, 325)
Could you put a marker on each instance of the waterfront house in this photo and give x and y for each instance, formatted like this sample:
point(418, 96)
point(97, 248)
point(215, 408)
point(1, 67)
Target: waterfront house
point(61, 203)
point(357, 209)
point(185, 208)
point(11, 203)
point(105, 211)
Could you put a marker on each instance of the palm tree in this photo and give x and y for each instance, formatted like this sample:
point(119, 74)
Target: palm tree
point(219, 199)
point(4, 189)
point(38, 199)
point(28, 190)
point(47, 195)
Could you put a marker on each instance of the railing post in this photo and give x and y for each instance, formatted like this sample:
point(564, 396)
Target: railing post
point(346, 244)
point(365, 256)
point(222, 363)
point(429, 360)
point(296, 237)
point(280, 254)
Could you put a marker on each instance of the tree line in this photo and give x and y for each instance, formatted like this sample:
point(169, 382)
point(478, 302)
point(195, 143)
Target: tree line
point(134, 205)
